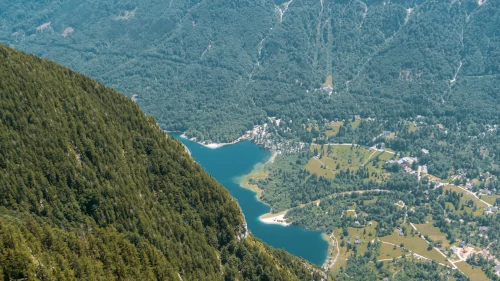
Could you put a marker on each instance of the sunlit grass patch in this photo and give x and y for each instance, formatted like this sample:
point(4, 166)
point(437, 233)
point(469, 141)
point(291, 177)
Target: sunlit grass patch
point(474, 273)
point(414, 244)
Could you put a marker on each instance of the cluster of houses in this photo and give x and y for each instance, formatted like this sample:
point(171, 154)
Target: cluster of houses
point(357, 241)
point(357, 223)
point(260, 134)
point(483, 228)
point(406, 162)
point(401, 232)
point(487, 192)
point(328, 89)
point(356, 117)
point(462, 247)
point(491, 210)
point(491, 128)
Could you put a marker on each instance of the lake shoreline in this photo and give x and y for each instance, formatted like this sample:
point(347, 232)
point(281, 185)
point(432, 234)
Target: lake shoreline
point(278, 218)
point(213, 145)
point(330, 256)
point(257, 172)
point(233, 166)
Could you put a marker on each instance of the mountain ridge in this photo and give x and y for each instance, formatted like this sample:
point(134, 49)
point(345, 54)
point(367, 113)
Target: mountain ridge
point(94, 189)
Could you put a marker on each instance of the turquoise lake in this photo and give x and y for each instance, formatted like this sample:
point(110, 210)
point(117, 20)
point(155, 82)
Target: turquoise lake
point(227, 164)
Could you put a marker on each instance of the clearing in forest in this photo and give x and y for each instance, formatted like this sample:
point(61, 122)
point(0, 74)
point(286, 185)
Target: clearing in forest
point(489, 199)
point(414, 244)
point(389, 252)
point(412, 128)
point(355, 123)
point(331, 159)
point(480, 206)
point(360, 248)
point(371, 201)
point(376, 162)
point(474, 273)
point(329, 82)
point(333, 128)
point(433, 232)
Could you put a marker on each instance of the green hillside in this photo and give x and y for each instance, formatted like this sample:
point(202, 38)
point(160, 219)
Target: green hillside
point(215, 68)
point(91, 188)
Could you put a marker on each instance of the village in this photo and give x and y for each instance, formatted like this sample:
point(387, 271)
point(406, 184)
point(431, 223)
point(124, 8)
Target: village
point(331, 158)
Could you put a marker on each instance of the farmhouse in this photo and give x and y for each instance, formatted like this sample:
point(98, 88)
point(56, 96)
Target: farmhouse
point(357, 240)
point(497, 269)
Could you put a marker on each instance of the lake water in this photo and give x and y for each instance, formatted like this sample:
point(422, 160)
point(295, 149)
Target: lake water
point(227, 164)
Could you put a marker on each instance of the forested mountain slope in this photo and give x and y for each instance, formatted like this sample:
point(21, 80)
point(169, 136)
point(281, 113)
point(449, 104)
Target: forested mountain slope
point(234, 63)
point(91, 188)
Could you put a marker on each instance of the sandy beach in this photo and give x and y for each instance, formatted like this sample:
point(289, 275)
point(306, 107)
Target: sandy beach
point(271, 159)
point(278, 218)
point(214, 145)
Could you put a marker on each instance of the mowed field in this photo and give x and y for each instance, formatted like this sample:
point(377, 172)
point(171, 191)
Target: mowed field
point(355, 123)
point(389, 252)
point(433, 232)
point(329, 81)
point(317, 167)
point(474, 273)
point(333, 128)
point(336, 158)
point(466, 197)
point(376, 166)
point(489, 199)
point(412, 128)
point(353, 232)
point(414, 244)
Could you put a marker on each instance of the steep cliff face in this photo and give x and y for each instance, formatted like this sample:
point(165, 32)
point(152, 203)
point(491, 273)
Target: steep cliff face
point(91, 188)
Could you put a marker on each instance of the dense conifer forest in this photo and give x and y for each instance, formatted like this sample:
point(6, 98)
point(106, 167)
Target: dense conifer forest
point(384, 117)
point(93, 189)
point(216, 68)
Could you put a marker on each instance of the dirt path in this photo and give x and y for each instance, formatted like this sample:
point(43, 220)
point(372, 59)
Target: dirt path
point(369, 157)
point(321, 162)
point(415, 254)
point(473, 194)
point(439, 251)
point(343, 193)
point(334, 260)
